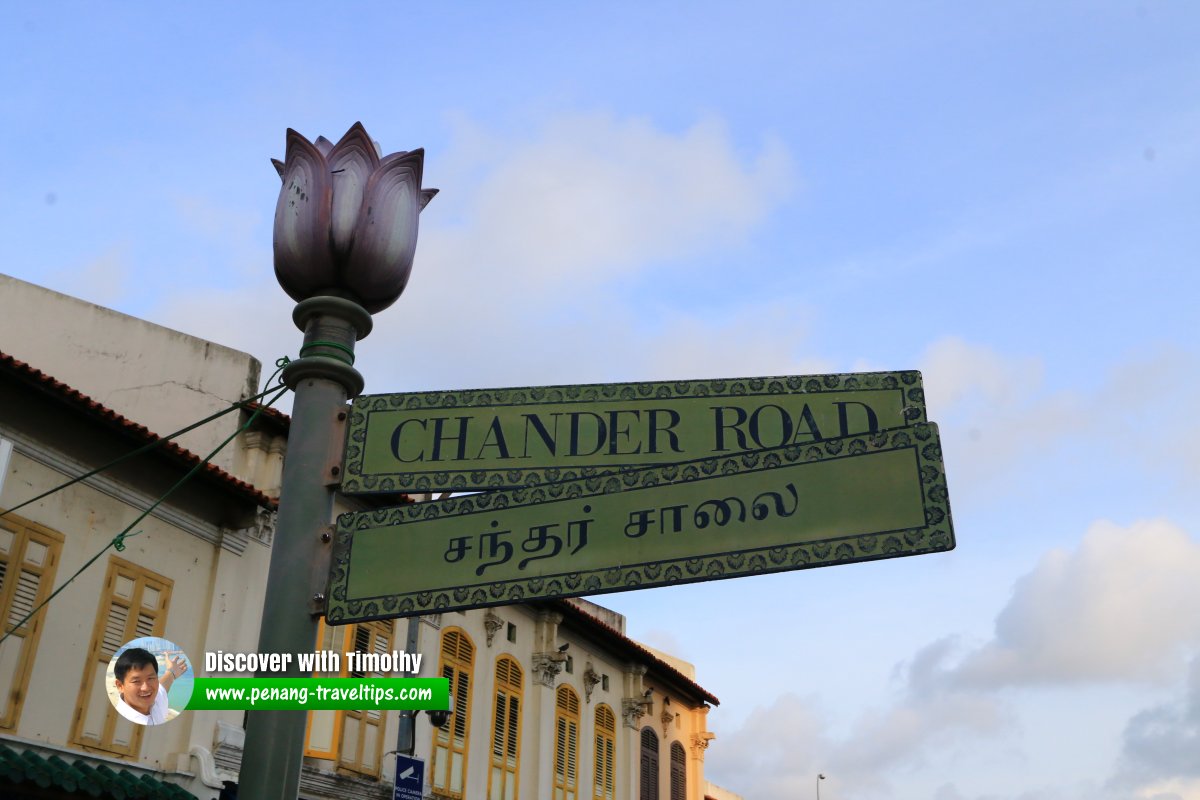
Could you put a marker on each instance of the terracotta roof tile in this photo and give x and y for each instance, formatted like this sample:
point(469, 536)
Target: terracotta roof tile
point(579, 615)
point(81, 402)
point(273, 416)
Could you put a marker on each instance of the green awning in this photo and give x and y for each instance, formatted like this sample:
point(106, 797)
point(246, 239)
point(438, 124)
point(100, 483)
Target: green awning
point(30, 771)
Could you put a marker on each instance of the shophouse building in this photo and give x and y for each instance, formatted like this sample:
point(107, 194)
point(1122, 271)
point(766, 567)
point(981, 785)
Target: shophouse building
point(552, 699)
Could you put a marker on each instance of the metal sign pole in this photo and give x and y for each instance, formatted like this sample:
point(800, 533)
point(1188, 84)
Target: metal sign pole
point(406, 733)
point(323, 380)
point(345, 227)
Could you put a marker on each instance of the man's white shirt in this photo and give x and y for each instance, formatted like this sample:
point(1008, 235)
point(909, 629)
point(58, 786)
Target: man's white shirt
point(158, 711)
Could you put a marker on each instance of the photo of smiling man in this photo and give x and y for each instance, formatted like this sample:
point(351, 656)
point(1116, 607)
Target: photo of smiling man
point(142, 674)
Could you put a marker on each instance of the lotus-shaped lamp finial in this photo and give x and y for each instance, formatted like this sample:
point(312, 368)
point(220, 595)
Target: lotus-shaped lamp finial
point(346, 220)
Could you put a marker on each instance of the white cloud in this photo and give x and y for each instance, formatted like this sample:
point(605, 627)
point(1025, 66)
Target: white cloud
point(996, 411)
point(529, 281)
point(903, 735)
point(1161, 752)
point(255, 321)
point(593, 340)
point(1084, 790)
point(958, 373)
point(666, 642)
point(215, 221)
point(993, 409)
point(1145, 406)
point(739, 341)
point(103, 280)
point(948, 791)
point(514, 276)
point(777, 752)
point(1111, 610)
point(1115, 608)
point(780, 748)
point(589, 197)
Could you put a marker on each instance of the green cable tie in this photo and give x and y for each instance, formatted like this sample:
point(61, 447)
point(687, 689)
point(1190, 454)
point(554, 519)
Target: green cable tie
point(335, 346)
point(118, 543)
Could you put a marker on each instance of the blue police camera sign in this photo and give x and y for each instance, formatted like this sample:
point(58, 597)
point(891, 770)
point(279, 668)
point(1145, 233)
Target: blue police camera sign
point(410, 778)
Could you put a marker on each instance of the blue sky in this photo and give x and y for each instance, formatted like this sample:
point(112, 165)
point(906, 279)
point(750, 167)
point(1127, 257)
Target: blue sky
point(1003, 196)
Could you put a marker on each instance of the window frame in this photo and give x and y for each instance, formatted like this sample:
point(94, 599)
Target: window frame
point(341, 639)
point(604, 783)
point(456, 662)
point(13, 565)
point(380, 639)
point(566, 743)
point(509, 687)
point(648, 774)
point(99, 654)
point(678, 760)
point(327, 637)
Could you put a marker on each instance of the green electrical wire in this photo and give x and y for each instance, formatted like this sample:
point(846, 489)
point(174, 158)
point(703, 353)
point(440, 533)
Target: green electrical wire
point(118, 541)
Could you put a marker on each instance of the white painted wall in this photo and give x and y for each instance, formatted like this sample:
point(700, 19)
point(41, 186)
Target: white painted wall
point(158, 377)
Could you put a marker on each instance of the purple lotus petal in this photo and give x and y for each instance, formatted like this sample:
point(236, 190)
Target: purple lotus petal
point(351, 162)
point(385, 237)
point(303, 262)
point(346, 220)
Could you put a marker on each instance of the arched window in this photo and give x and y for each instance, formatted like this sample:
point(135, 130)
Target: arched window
point(604, 787)
point(449, 765)
point(566, 744)
point(648, 779)
point(506, 731)
point(678, 772)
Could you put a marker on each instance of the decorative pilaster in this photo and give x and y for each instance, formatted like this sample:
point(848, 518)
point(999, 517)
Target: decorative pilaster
point(548, 660)
point(546, 667)
point(545, 635)
point(263, 528)
point(633, 709)
point(636, 702)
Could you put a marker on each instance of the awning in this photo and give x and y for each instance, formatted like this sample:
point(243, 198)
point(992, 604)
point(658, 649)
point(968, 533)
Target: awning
point(33, 775)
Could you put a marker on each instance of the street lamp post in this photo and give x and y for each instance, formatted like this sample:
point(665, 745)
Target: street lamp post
point(344, 238)
point(820, 778)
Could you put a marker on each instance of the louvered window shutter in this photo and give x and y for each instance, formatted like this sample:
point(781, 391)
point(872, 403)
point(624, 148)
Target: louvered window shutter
point(448, 769)
point(648, 780)
point(604, 784)
point(134, 604)
point(678, 772)
point(28, 561)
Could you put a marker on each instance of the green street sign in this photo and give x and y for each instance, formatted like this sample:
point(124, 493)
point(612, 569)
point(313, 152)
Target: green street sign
point(506, 438)
point(836, 501)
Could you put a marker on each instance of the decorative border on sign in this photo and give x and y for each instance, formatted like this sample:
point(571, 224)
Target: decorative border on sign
point(354, 482)
point(935, 536)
